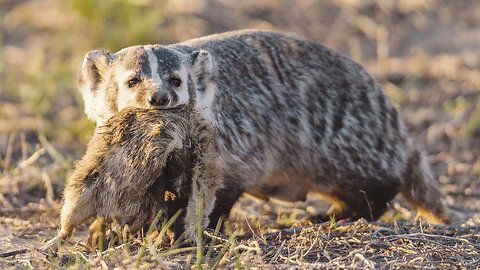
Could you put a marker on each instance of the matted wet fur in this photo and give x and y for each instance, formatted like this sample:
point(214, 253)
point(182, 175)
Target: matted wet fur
point(289, 115)
point(130, 164)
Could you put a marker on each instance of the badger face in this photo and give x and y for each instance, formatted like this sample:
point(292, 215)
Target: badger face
point(152, 76)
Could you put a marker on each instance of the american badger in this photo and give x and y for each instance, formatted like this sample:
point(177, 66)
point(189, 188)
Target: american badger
point(141, 162)
point(289, 117)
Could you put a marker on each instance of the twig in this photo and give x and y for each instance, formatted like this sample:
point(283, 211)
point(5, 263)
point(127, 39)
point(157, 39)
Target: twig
point(8, 154)
point(313, 244)
point(368, 204)
point(415, 236)
point(23, 143)
point(13, 253)
point(34, 157)
point(48, 187)
point(248, 248)
point(279, 250)
point(216, 237)
point(52, 151)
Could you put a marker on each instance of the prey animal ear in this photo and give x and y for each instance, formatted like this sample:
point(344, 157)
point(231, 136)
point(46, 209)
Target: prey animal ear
point(94, 66)
point(201, 62)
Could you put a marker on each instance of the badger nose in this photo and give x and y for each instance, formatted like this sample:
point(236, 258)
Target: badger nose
point(159, 99)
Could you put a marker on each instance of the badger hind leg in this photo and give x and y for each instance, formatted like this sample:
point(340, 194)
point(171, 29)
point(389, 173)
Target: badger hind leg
point(368, 199)
point(422, 191)
point(368, 203)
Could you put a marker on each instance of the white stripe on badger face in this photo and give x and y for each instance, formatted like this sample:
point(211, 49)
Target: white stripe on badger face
point(182, 93)
point(153, 61)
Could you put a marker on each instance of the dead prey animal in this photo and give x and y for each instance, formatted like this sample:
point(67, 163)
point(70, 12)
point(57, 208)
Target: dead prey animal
point(130, 164)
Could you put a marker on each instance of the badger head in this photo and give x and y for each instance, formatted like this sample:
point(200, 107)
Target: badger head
point(152, 76)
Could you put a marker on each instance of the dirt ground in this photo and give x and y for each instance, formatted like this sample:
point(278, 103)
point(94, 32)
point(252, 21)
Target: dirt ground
point(426, 54)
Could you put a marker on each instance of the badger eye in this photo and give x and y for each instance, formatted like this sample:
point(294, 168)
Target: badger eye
point(132, 82)
point(175, 81)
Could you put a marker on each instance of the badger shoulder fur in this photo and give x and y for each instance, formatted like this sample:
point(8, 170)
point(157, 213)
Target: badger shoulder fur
point(289, 117)
point(133, 162)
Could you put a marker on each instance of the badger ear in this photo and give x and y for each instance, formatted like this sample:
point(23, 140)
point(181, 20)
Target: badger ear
point(92, 72)
point(201, 62)
point(94, 66)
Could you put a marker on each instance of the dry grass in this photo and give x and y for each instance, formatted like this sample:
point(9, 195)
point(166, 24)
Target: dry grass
point(369, 245)
point(346, 245)
point(426, 53)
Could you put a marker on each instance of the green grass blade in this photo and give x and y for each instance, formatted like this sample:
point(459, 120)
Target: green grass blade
point(165, 227)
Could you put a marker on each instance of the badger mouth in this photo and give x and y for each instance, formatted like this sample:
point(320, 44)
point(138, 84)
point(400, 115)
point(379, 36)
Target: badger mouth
point(161, 100)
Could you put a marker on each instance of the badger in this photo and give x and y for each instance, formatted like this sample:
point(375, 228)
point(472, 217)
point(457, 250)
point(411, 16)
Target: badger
point(289, 117)
point(144, 162)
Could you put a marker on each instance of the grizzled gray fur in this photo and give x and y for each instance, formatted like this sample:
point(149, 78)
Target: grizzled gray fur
point(139, 163)
point(289, 116)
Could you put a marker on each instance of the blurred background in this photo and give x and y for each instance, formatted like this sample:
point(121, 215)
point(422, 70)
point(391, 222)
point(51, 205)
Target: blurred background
point(426, 54)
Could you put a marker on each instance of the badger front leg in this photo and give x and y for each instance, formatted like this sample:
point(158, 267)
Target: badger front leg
point(206, 180)
point(201, 200)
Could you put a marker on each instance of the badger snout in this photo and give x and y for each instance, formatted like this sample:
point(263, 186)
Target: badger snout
point(159, 99)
